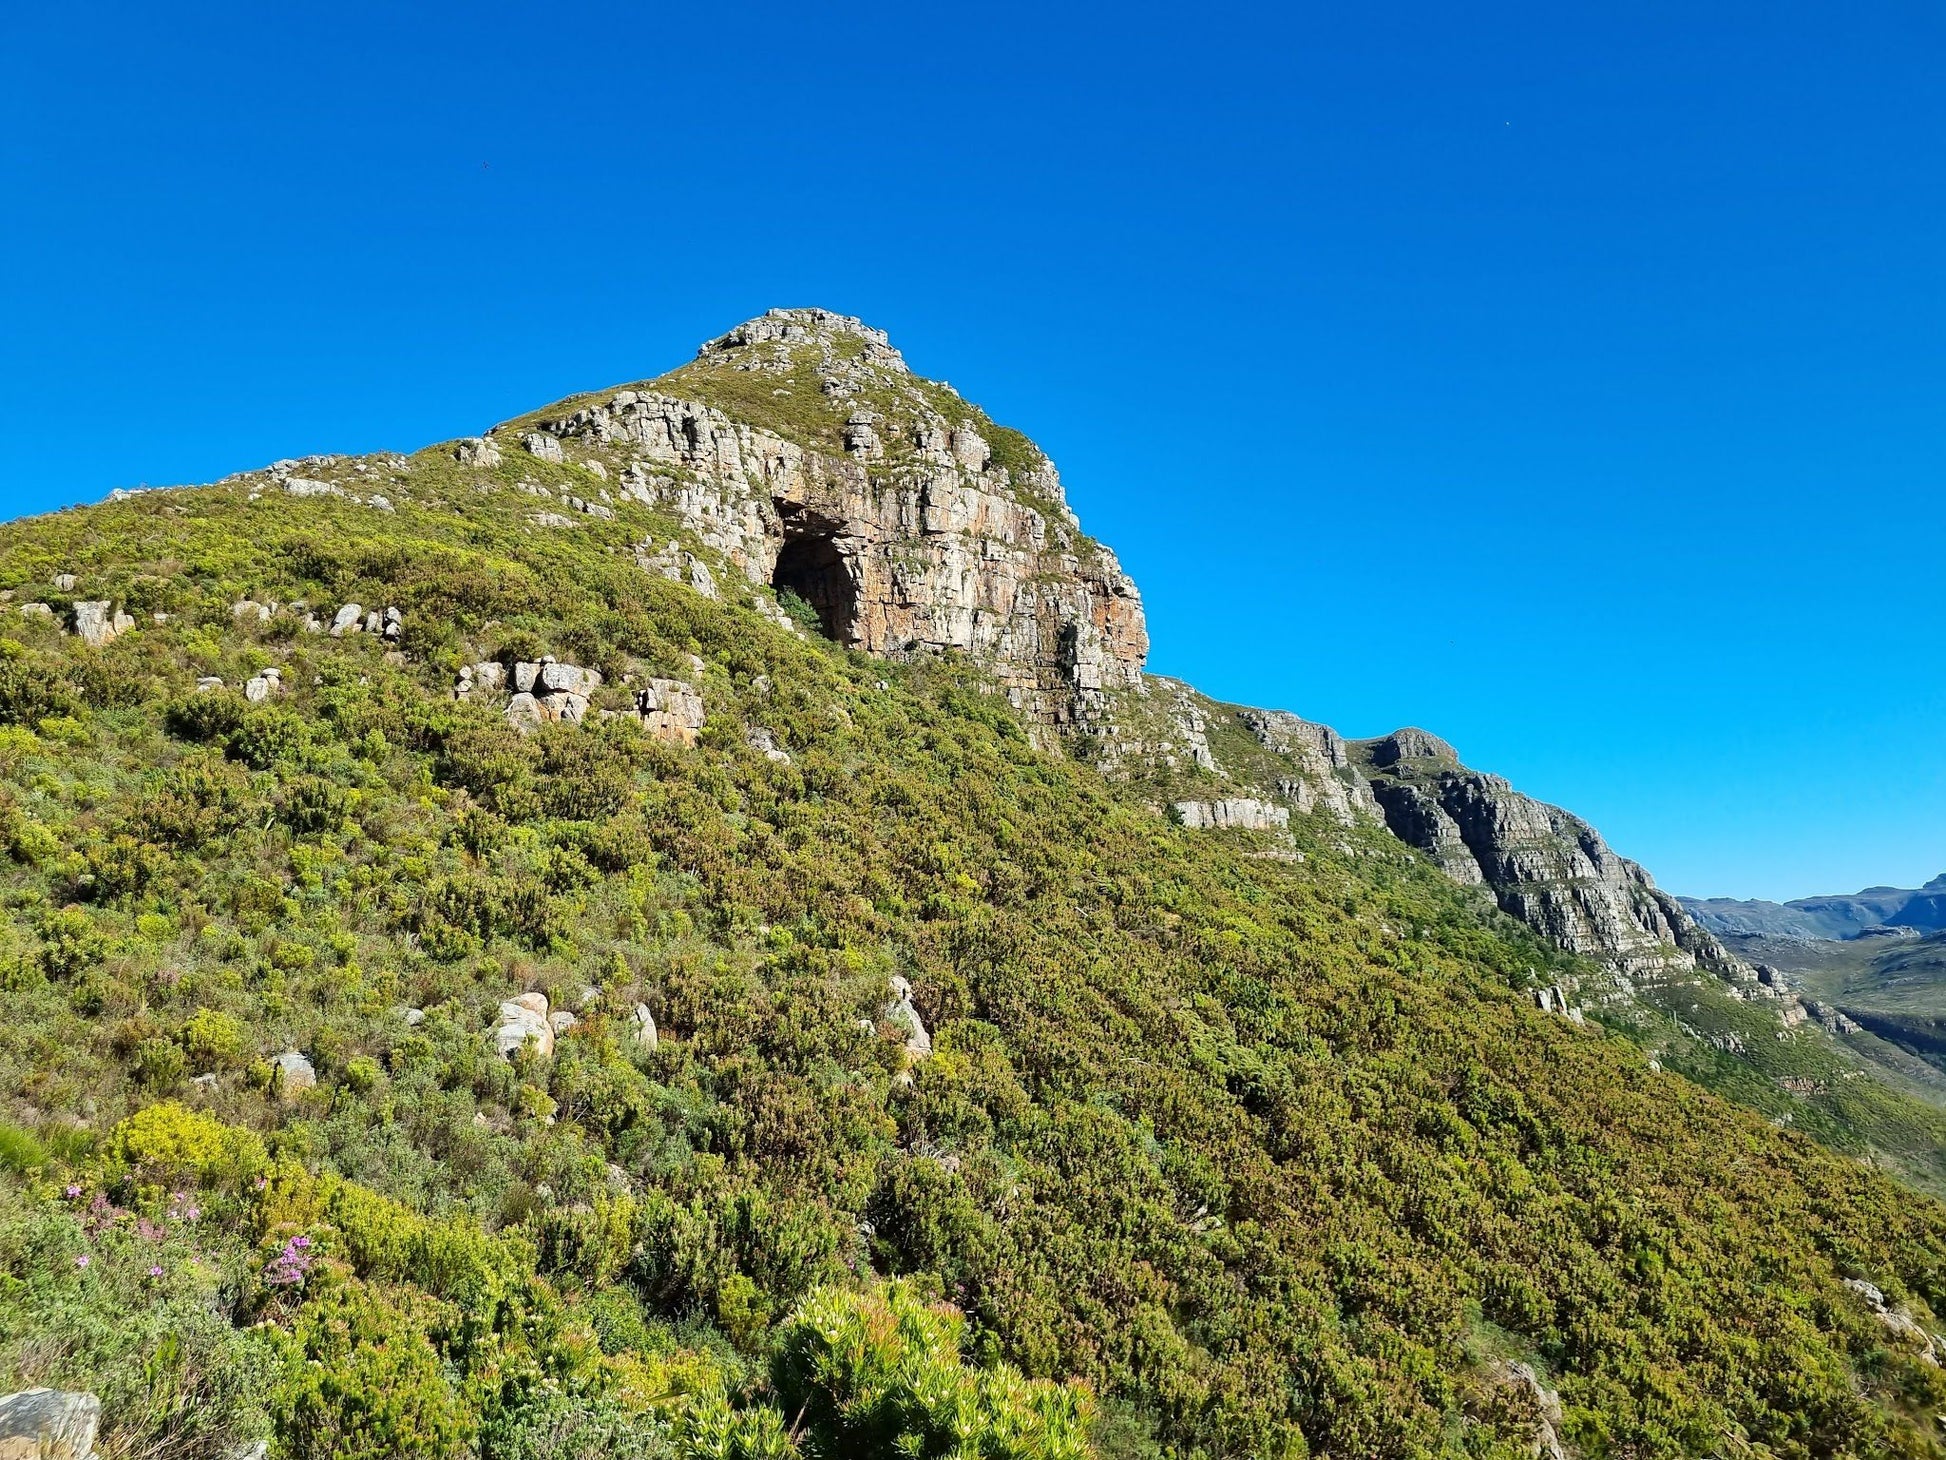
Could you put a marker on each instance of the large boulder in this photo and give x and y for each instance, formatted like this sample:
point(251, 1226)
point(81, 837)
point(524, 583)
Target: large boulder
point(99, 622)
point(48, 1424)
point(524, 1018)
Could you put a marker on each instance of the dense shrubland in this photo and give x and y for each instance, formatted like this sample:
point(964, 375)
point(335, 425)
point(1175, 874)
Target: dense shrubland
point(1215, 1154)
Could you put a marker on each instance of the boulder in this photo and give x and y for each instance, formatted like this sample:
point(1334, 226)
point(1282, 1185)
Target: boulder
point(347, 620)
point(37, 610)
point(98, 622)
point(524, 1018)
point(292, 1074)
point(670, 710)
point(559, 678)
point(765, 744)
point(48, 1424)
point(561, 1021)
point(901, 1014)
point(477, 451)
point(526, 714)
point(541, 445)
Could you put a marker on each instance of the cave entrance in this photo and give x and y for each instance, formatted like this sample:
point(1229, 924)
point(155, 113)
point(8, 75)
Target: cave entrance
point(810, 565)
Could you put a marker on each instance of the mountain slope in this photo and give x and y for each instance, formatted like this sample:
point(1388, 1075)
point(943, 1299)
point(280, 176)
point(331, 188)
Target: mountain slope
point(1254, 1127)
point(1838, 915)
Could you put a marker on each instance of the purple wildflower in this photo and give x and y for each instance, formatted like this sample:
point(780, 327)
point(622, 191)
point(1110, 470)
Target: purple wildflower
point(289, 1267)
point(83, 1260)
point(73, 1192)
point(155, 1272)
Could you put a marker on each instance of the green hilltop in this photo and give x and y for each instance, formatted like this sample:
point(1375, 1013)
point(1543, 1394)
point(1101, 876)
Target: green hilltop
point(890, 1081)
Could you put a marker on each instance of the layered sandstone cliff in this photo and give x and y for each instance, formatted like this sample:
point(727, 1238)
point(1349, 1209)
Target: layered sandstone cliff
point(1545, 866)
point(801, 448)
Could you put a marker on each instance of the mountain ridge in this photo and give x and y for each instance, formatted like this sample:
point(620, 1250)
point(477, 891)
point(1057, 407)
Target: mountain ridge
point(637, 1000)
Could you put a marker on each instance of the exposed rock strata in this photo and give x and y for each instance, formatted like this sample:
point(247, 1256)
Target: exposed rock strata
point(912, 536)
point(1545, 866)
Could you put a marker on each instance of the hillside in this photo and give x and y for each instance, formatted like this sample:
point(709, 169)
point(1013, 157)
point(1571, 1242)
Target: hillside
point(1836, 915)
point(678, 926)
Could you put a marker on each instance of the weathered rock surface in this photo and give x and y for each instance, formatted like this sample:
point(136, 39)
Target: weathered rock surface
point(524, 1018)
point(1244, 813)
point(669, 709)
point(48, 1424)
point(645, 1031)
point(1325, 779)
point(901, 1014)
point(1545, 866)
point(293, 1074)
point(99, 622)
point(890, 512)
point(1898, 1320)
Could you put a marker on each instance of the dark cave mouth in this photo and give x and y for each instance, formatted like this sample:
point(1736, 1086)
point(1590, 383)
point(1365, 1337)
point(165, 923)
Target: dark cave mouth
point(810, 566)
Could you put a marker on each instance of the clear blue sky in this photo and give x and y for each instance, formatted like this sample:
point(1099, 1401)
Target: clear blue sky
point(1568, 380)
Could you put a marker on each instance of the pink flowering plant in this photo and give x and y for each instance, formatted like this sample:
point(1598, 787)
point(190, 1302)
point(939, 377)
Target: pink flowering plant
point(292, 1265)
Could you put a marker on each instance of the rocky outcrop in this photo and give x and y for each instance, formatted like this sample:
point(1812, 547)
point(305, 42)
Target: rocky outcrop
point(1324, 777)
point(1543, 865)
point(48, 1424)
point(98, 622)
point(884, 501)
point(903, 1016)
point(1235, 813)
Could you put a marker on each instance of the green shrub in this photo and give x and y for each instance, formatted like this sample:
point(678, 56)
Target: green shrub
point(20, 1150)
point(168, 1141)
point(362, 1381)
point(213, 1040)
point(878, 1376)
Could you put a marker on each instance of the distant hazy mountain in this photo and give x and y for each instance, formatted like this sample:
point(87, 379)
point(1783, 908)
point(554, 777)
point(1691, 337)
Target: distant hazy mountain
point(1839, 915)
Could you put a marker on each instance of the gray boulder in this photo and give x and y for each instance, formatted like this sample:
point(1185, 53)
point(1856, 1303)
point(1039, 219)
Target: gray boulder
point(98, 622)
point(293, 1074)
point(49, 1424)
point(541, 445)
point(524, 1018)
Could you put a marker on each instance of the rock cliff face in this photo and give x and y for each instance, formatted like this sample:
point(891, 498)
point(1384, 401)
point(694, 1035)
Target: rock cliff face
point(801, 448)
point(1545, 866)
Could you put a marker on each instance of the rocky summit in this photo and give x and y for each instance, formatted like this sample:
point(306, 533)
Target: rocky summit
point(679, 927)
point(800, 450)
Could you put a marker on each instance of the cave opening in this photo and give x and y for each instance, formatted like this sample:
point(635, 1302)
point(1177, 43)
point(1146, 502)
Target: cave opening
point(810, 565)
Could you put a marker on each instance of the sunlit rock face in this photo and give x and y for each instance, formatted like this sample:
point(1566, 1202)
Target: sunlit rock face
point(801, 448)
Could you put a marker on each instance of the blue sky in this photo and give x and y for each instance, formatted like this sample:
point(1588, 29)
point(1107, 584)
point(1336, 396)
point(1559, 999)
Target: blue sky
point(1569, 383)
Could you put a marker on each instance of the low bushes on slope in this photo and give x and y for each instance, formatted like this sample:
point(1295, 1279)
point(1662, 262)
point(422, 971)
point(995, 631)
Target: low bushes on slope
point(1273, 1156)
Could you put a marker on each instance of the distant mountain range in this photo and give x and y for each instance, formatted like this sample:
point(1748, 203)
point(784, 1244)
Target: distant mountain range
point(1871, 912)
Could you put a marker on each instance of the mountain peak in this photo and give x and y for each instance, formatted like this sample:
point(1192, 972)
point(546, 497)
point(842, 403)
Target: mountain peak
point(790, 330)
